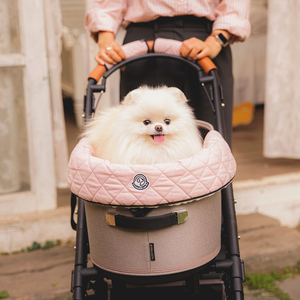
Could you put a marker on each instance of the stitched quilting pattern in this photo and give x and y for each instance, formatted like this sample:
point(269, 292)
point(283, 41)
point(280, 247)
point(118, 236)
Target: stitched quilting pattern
point(98, 180)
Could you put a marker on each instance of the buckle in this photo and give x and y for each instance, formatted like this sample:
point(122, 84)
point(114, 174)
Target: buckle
point(110, 219)
point(182, 216)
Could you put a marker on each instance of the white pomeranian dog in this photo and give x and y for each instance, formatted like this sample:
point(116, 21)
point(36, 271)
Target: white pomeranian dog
point(150, 126)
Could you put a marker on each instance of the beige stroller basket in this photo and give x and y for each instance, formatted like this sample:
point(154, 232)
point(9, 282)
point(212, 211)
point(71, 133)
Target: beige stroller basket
point(153, 220)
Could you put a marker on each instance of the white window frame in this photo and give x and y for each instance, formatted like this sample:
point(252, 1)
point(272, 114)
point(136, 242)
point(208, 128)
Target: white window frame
point(33, 59)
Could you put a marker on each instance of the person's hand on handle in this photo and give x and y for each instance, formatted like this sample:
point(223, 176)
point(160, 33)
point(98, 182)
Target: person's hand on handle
point(195, 49)
point(109, 51)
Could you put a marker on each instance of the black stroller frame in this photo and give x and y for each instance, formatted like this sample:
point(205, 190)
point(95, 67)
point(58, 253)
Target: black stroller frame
point(227, 265)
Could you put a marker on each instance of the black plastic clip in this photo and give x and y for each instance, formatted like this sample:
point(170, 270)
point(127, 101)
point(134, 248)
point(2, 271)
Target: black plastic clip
point(243, 270)
point(73, 205)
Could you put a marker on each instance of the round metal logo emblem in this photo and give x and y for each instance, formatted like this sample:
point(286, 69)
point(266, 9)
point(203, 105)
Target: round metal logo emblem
point(140, 182)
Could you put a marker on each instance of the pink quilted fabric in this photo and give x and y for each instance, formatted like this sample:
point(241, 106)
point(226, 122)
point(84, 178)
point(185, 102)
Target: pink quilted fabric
point(98, 180)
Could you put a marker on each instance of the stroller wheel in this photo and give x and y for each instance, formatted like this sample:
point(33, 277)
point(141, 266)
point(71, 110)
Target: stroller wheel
point(101, 289)
point(118, 290)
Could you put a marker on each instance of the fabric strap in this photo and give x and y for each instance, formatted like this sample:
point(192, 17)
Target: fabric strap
point(154, 222)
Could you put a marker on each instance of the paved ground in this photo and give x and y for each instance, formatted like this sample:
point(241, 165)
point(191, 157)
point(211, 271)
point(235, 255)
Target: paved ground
point(265, 245)
point(38, 275)
point(45, 274)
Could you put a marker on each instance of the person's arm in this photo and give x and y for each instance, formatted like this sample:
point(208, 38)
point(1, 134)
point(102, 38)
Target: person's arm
point(103, 21)
point(195, 49)
point(109, 50)
point(232, 20)
point(233, 16)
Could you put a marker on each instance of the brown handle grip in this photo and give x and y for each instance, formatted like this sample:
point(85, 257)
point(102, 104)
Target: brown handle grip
point(97, 73)
point(150, 45)
point(206, 64)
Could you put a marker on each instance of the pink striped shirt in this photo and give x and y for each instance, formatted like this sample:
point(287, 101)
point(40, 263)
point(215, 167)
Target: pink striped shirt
point(230, 15)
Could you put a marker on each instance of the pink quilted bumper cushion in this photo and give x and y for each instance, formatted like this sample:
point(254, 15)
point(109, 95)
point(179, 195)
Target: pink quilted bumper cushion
point(99, 181)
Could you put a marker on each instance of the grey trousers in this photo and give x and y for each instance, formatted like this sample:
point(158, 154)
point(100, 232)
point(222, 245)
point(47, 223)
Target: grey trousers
point(161, 71)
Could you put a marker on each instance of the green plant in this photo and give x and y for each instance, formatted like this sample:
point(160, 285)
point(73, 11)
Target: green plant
point(48, 244)
point(267, 281)
point(55, 283)
point(4, 294)
point(297, 268)
point(34, 246)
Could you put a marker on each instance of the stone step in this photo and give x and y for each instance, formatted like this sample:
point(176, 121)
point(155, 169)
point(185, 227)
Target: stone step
point(275, 196)
point(20, 231)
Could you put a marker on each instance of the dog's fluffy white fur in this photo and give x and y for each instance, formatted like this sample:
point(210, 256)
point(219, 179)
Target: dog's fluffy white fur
point(151, 125)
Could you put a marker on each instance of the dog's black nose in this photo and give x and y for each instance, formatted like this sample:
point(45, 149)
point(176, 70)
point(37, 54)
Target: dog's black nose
point(158, 128)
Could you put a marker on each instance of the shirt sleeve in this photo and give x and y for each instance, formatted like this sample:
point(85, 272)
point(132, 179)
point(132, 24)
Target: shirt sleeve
point(106, 15)
point(233, 16)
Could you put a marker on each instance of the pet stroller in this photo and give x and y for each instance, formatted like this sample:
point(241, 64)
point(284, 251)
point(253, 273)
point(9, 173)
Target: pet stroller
point(168, 229)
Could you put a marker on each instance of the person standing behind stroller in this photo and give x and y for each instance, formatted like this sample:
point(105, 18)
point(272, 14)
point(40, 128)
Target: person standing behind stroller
point(206, 28)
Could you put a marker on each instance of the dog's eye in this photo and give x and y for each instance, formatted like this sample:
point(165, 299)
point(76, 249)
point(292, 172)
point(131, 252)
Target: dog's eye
point(167, 121)
point(147, 122)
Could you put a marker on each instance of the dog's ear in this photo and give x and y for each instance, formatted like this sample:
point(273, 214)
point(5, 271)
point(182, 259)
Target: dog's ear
point(178, 94)
point(132, 97)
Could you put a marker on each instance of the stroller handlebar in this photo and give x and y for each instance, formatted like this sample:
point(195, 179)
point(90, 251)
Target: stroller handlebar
point(141, 47)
